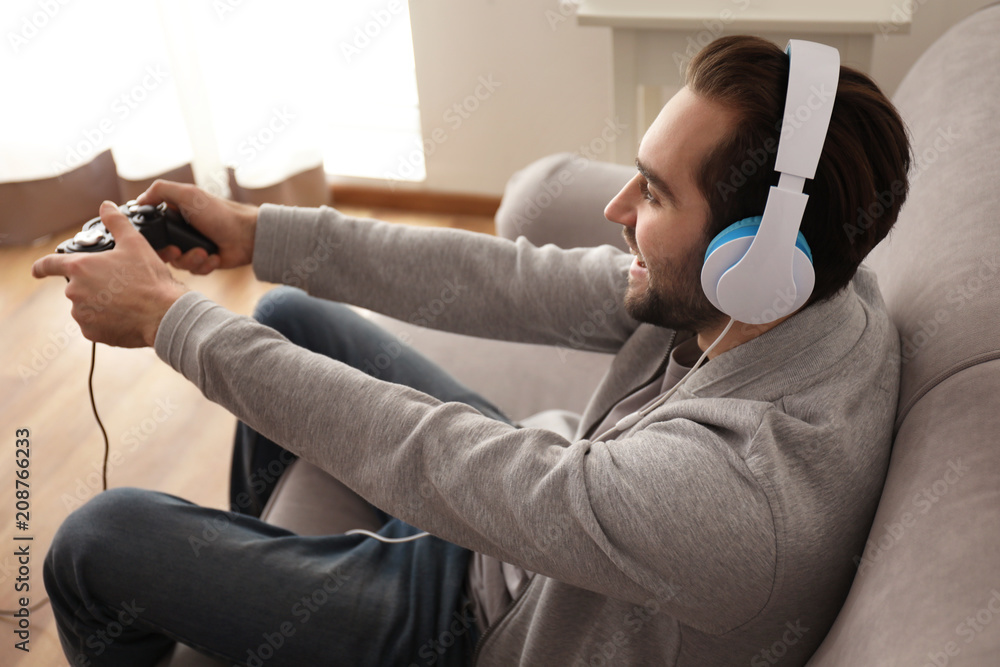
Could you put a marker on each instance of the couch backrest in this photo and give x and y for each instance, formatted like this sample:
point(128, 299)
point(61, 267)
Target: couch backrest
point(927, 589)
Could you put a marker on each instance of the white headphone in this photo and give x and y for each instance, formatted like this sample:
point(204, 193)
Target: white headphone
point(760, 269)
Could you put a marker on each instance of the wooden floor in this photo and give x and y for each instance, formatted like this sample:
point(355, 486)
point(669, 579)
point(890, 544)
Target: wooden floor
point(164, 434)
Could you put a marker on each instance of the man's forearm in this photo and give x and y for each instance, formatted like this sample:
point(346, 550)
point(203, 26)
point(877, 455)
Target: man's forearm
point(452, 280)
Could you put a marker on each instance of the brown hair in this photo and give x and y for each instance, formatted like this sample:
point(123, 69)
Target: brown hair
point(860, 184)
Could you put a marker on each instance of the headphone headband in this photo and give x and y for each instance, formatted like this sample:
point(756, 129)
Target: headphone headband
point(813, 75)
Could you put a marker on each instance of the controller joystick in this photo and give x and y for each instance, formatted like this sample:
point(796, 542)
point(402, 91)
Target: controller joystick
point(161, 225)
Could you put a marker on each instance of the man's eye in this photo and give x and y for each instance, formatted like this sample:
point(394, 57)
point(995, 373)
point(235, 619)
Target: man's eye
point(644, 190)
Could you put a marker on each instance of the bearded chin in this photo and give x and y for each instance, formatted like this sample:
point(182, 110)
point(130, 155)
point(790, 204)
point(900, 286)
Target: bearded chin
point(683, 306)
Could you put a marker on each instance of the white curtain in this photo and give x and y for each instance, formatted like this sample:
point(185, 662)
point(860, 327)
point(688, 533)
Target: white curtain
point(261, 88)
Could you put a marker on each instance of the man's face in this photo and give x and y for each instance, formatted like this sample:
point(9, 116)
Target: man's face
point(665, 216)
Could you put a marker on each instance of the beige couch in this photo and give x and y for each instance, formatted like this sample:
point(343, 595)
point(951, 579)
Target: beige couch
point(927, 591)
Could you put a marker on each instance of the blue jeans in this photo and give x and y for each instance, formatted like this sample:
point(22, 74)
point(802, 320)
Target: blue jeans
point(133, 571)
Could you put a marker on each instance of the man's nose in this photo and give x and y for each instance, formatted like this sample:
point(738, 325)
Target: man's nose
point(621, 208)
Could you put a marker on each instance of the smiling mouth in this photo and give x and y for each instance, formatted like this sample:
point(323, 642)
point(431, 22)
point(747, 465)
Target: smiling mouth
point(629, 235)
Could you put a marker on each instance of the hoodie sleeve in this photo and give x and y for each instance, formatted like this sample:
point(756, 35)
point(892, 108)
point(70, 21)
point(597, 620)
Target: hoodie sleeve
point(449, 279)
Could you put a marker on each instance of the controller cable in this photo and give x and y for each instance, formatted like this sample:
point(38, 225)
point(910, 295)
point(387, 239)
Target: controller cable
point(93, 406)
point(4, 613)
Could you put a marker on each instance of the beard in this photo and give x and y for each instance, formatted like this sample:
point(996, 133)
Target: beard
point(673, 297)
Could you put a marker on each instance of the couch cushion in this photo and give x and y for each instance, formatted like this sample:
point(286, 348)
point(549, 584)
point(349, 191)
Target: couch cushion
point(309, 501)
point(940, 268)
point(928, 583)
point(520, 379)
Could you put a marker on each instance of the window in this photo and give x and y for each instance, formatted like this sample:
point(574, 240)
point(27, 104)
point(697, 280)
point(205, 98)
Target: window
point(265, 87)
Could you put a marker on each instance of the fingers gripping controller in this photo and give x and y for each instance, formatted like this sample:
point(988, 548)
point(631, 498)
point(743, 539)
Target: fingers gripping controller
point(161, 225)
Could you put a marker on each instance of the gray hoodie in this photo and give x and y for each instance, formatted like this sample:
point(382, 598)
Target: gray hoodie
point(719, 530)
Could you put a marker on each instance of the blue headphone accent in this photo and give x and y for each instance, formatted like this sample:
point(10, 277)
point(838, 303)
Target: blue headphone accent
point(749, 227)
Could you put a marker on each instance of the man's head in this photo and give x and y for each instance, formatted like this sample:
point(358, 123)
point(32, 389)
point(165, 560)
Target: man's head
point(665, 213)
point(714, 146)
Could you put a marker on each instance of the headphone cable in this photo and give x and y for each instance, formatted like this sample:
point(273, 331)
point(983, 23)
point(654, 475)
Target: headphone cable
point(630, 420)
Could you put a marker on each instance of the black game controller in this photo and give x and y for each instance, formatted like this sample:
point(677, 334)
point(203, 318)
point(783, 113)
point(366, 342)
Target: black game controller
point(161, 225)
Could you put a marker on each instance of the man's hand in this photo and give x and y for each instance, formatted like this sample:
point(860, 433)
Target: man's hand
point(119, 296)
point(229, 224)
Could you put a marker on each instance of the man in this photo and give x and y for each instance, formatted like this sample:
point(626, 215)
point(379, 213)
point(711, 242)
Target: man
point(718, 529)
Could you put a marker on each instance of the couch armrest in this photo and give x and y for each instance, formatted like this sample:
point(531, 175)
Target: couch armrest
point(560, 199)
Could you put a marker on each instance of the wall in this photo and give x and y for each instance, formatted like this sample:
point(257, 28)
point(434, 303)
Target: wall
point(527, 81)
point(552, 87)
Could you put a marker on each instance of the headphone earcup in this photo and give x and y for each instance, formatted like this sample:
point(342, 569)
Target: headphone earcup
point(729, 247)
